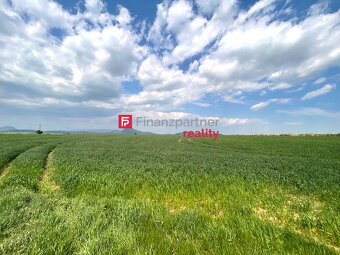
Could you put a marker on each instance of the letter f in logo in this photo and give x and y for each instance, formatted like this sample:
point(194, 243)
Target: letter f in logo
point(124, 121)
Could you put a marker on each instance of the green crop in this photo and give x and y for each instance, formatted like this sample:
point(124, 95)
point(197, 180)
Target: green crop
point(159, 194)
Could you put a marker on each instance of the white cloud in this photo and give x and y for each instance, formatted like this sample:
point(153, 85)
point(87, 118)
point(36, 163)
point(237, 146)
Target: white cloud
point(201, 104)
point(94, 6)
point(245, 50)
point(282, 85)
point(235, 121)
point(251, 51)
point(231, 99)
point(47, 13)
point(312, 111)
point(192, 32)
point(264, 104)
point(86, 63)
point(320, 80)
point(293, 123)
point(315, 93)
point(193, 48)
point(124, 17)
point(207, 7)
point(179, 13)
point(163, 115)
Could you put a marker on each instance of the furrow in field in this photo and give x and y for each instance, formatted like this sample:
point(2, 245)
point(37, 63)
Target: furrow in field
point(7, 167)
point(46, 184)
point(5, 171)
point(26, 170)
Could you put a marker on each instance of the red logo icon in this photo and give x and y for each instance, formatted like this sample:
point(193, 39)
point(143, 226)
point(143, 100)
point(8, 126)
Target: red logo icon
point(124, 121)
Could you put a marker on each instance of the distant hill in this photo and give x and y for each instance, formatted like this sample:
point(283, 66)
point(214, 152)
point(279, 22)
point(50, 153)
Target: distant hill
point(102, 131)
point(10, 129)
point(7, 129)
point(133, 131)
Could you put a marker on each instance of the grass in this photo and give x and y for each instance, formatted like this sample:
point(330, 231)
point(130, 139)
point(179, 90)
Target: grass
point(102, 194)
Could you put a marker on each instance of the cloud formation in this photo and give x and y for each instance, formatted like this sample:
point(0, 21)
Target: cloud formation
point(312, 111)
point(192, 49)
point(315, 93)
point(264, 104)
point(94, 52)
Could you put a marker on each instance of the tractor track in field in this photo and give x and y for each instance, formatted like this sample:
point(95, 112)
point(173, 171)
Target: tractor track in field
point(46, 184)
point(5, 170)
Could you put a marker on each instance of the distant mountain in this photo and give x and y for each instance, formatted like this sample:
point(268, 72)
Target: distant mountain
point(7, 129)
point(130, 131)
point(90, 131)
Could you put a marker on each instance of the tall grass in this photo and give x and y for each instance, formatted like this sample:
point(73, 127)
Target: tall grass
point(156, 195)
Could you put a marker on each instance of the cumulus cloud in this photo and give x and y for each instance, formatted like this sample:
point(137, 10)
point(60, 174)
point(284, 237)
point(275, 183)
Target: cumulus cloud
point(264, 104)
point(315, 93)
point(244, 50)
point(184, 33)
point(94, 54)
point(253, 50)
point(192, 49)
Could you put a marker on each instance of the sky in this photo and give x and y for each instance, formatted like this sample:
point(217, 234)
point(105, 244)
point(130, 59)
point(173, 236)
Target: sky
point(260, 67)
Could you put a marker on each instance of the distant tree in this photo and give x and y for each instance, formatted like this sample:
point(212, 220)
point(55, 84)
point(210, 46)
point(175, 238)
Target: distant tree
point(39, 132)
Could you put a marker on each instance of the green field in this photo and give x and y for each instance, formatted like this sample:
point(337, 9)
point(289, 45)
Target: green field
point(115, 194)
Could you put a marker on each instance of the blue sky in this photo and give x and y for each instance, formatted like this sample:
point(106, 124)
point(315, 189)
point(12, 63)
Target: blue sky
point(259, 66)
